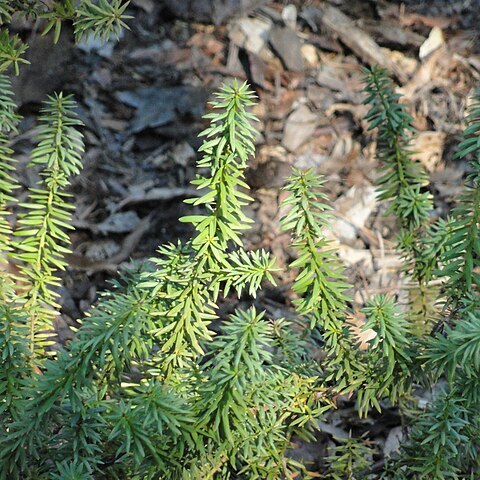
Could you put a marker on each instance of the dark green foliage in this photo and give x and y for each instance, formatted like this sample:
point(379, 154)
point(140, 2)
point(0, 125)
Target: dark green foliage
point(460, 259)
point(244, 397)
point(14, 361)
point(71, 471)
point(389, 358)
point(403, 179)
point(452, 422)
point(402, 182)
point(350, 460)
point(41, 237)
point(458, 349)
point(439, 441)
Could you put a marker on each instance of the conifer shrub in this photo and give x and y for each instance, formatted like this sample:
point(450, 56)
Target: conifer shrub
point(155, 386)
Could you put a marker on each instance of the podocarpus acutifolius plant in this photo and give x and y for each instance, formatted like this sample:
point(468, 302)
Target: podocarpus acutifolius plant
point(147, 389)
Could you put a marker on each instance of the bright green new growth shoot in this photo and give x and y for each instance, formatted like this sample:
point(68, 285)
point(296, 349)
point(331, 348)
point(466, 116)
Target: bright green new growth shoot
point(205, 265)
point(41, 238)
point(8, 123)
point(321, 280)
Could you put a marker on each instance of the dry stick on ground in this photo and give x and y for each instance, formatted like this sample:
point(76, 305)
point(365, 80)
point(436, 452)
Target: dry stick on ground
point(111, 264)
point(354, 38)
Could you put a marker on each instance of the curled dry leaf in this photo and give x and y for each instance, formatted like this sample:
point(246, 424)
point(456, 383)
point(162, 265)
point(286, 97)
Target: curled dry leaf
point(356, 322)
point(428, 148)
point(299, 127)
point(353, 209)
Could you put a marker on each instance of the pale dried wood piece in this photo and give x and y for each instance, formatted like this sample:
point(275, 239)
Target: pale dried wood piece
point(356, 39)
point(157, 194)
point(434, 41)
